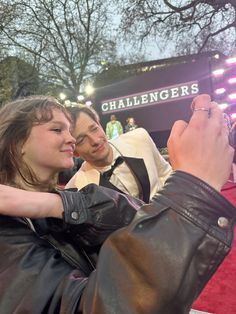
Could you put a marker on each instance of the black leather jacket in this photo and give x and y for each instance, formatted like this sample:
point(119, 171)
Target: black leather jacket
point(158, 264)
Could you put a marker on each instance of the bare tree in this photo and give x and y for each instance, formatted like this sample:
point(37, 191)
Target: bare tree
point(65, 39)
point(192, 25)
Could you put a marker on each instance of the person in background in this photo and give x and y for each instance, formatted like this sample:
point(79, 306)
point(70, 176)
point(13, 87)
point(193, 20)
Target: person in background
point(114, 128)
point(130, 164)
point(131, 125)
point(181, 237)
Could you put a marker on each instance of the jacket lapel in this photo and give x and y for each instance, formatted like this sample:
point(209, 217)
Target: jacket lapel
point(139, 171)
point(106, 183)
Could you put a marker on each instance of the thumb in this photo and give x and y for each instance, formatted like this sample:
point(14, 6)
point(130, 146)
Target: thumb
point(178, 128)
point(174, 141)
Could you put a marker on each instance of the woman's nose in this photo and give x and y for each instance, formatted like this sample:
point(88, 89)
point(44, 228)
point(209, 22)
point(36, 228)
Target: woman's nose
point(70, 138)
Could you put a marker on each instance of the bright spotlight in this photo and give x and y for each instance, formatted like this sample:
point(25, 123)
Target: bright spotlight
point(218, 72)
point(88, 103)
point(217, 56)
point(62, 96)
point(231, 60)
point(223, 106)
point(233, 115)
point(89, 89)
point(232, 96)
point(80, 97)
point(232, 80)
point(67, 102)
point(220, 91)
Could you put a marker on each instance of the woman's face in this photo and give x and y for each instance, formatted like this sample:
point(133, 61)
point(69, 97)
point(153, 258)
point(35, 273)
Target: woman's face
point(50, 146)
point(131, 121)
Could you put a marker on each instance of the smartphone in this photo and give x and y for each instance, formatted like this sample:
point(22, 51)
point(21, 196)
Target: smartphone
point(232, 140)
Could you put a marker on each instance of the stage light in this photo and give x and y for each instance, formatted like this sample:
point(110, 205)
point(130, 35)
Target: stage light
point(88, 103)
point(89, 89)
point(67, 102)
point(223, 106)
point(220, 91)
point(224, 83)
point(217, 56)
point(62, 96)
point(231, 60)
point(232, 96)
point(232, 80)
point(80, 97)
point(233, 115)
point(218, 72)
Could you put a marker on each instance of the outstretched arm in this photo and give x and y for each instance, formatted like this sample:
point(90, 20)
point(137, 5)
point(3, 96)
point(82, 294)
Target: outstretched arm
point(16, 202)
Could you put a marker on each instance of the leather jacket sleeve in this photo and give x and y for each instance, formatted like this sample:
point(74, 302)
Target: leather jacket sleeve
point(93, 213)
point(158, 264)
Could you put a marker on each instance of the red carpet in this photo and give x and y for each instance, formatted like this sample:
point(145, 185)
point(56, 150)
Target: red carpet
point(218, 297)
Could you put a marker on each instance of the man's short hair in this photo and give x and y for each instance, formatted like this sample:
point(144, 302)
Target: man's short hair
point(75, 112)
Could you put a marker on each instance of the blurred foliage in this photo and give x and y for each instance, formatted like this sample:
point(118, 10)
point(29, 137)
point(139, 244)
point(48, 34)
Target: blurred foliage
point(17, 79)
point(190, 26)
point(60, 46)
point(66, 40)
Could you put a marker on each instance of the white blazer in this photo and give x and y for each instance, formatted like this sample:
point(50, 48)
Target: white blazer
point(135, 144)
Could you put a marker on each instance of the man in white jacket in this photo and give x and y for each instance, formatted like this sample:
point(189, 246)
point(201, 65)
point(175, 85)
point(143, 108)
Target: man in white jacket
point(131, 163)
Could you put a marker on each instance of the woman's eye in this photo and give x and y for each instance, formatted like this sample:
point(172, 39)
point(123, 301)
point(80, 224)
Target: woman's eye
point(57, 130)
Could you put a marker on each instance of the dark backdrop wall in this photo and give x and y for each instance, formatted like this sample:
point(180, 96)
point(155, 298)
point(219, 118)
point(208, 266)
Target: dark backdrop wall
point(157, 117)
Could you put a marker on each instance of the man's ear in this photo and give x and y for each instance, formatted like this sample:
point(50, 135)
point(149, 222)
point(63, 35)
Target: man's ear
point(76, 154)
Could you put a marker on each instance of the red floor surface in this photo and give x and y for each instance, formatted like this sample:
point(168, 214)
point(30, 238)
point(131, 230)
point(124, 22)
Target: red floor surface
point(218, 297)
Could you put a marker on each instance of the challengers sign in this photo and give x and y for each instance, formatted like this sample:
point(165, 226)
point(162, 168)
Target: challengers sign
point(147, 98)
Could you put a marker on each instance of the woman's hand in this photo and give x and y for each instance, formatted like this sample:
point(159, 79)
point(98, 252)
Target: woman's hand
point(201, 147)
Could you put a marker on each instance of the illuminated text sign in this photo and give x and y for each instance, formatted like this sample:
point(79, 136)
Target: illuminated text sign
point(147, 98)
